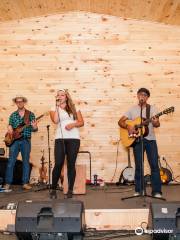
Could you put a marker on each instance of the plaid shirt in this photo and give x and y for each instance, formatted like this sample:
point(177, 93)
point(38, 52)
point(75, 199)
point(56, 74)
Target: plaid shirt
point(15, 120)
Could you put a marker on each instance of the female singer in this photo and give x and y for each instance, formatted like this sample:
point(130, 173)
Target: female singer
point(67, 139)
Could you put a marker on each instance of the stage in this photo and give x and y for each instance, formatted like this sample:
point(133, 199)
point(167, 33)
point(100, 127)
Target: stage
point(104, 209)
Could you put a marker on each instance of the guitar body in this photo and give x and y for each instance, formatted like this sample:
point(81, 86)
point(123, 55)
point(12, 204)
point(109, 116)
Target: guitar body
point(128, 175)
point(127, 140)
point(10, 138)
point(165, 175)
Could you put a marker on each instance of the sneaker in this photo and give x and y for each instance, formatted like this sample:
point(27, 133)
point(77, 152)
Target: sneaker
point(27, 186)
point(158, 195)
point(53, 194)
point(7, 188)
point(136, 194)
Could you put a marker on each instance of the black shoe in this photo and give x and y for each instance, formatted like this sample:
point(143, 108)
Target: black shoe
point(69, 194)
point(53, 194)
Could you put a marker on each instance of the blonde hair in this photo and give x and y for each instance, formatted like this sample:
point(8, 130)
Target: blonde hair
point(70, 106)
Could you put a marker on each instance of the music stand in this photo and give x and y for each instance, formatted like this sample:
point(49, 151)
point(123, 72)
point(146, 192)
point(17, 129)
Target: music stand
point(143, 192)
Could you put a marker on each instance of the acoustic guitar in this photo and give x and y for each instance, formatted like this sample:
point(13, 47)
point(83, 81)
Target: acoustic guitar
point(17, 132)
point(127, 140)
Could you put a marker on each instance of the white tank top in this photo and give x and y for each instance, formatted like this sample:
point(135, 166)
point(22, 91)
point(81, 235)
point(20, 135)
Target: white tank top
point(65, 119)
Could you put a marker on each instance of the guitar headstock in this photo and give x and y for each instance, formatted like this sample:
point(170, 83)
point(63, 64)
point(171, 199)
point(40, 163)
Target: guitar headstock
point(168, 110)
point(42, 115)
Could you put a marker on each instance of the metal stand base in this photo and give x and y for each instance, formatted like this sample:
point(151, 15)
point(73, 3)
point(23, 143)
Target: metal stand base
point(143, 196)
point(44, 187)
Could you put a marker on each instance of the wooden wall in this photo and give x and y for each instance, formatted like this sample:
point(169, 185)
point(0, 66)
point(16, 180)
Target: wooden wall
point(166, 11)
point(102, 60)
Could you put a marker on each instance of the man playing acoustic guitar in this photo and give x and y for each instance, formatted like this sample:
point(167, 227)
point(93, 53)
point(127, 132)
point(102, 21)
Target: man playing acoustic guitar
point(149, 142)
point(21, 124)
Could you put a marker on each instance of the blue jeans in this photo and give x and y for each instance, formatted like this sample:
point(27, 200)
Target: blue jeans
point(23, 146)
point(152, 155)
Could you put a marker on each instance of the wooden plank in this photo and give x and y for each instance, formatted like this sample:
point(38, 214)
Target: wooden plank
point(102, 60)
point(80, 181)
point(166, 11)
point(100, 219)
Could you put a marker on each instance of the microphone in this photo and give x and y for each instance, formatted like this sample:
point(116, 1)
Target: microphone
point(141, 101)
point(58, 102)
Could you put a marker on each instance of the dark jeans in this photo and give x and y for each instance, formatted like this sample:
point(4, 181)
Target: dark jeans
point(69, 148)
point(152, 155)
point(23, 146)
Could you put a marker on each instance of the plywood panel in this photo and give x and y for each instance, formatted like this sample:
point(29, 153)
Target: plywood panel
point(80, 181)
point(100, 219)
point(102, 60)
point(167, 11)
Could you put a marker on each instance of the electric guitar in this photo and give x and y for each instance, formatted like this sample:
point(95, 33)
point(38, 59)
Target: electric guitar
point(127, 140)
point(165, 173)
point(17, 132)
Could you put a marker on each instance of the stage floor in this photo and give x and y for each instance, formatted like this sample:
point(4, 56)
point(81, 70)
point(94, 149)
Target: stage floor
point(104, 208)
point(107, 197)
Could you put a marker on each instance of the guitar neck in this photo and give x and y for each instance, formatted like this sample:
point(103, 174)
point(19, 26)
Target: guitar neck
point(39, 117)
point(27, 125)
point(166, 111)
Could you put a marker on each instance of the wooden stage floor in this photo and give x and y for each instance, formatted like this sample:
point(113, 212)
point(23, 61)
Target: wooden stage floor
point(107, 197)
point(104, 209)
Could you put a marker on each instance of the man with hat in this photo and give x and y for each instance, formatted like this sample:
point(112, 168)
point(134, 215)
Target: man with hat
point(20, 117)
point(149, 142)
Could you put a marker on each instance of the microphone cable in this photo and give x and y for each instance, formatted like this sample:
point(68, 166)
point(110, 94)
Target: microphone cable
point(60, 126)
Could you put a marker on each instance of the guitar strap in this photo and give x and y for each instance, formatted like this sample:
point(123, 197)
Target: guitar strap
point(148, 108)
point(26, 117)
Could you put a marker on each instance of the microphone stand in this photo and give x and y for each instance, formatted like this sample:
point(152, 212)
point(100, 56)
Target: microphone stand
point(64, 151)
point(142, 179)
point(49, 159)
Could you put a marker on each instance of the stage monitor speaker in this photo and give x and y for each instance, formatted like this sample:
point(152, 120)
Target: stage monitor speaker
point(59, 219)
point(165, 220)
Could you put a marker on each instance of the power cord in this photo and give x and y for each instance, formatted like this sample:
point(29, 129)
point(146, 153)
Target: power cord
point(117, 154)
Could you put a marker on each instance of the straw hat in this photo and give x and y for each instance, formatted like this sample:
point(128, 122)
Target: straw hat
point(19, 97)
